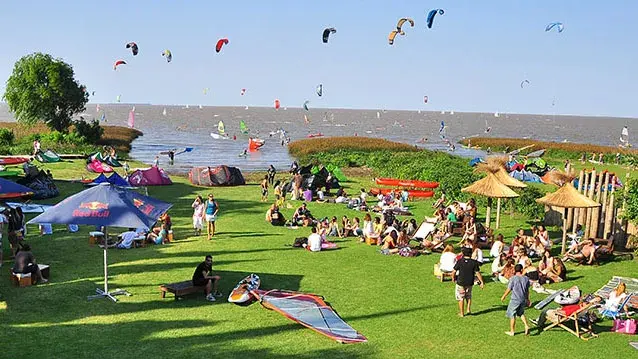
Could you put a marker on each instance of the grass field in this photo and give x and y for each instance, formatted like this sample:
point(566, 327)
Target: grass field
point(396, 302)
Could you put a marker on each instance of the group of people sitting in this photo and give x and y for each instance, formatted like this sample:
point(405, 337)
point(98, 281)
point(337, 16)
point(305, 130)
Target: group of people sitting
point(157, 235)
point(587, 251)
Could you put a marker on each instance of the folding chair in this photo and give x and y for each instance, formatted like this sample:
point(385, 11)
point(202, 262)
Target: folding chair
point(619, 311)
point(561, 319)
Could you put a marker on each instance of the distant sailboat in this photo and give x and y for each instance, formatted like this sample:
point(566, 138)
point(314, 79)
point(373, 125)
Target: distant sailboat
point(378, 115)
point(246, 108)
point(187, 106)
point(97, 108)
point(624, 137)
point(495, 114)
point(164, 112)
point(451, 112)
point(118, 98)
point(220, 128)
point(442, 112)
point(243, 128)
point(131, 118)
point(200, 107)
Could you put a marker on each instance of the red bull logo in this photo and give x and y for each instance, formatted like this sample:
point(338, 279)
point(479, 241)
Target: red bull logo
point(137, 203)
point(92, 209)
point(142, 206)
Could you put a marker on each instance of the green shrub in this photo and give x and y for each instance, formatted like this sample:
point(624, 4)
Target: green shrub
point(7, 137)
point(526, 204)
point(91, 131)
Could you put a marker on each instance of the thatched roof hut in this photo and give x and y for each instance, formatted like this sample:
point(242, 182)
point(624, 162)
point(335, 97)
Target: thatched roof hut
point(491, 187)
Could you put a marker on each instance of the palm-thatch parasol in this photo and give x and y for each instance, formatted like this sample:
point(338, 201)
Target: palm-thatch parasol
point(566, 197)
point(490, 187)
point(497, 165)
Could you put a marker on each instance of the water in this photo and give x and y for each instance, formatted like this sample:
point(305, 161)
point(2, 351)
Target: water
point(191, 127)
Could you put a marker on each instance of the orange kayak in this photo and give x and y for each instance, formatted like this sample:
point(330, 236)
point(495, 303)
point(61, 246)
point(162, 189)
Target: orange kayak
point(406, 183)
point(411, 192)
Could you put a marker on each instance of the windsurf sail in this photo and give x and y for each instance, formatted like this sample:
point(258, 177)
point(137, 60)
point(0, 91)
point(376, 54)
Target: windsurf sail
point(243, 128)
point(624, 136)
point(220, 128)
point(309, 310)
point(164, 112)
point(183, 150)
point(131, 119)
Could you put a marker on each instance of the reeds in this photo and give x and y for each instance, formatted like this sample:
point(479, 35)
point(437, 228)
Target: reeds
point(306, 147)
point(515, 143)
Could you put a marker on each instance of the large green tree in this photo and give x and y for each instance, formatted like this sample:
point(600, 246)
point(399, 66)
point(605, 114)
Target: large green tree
point(42, 88)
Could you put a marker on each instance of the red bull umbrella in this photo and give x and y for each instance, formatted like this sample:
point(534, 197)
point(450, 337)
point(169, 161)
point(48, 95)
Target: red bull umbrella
point(9, 189)
point(106, 205)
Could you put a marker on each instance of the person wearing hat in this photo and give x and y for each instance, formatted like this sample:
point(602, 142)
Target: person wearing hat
point(464, 271)
point(518, 285)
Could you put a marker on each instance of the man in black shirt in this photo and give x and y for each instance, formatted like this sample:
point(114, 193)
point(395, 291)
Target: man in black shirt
point(466, 268)
point(202, 277)
point(25, 263)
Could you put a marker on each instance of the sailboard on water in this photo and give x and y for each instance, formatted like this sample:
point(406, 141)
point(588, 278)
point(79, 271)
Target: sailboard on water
point(177, 151)
point(309, 310)
point(624, 137)
point(220, 128)
point(243, 128)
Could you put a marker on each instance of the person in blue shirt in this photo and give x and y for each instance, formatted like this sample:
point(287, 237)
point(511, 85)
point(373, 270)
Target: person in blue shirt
point(212, 208)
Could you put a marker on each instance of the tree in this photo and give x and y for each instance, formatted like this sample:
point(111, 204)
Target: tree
point(42, 88)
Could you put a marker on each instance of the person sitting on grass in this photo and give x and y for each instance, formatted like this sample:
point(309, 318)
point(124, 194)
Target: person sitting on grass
point(447, 260)
point(552, 269)
point(160, 238)
point(314, 241)
point(202, 277)
point(355, 227)
point(543, 236)
point(470, 230)
point(127, 239)
point(274, 217)
point(507, 271)
point(333, 228)
point(302, 216)
point(497, 247)
point(497, 265)
point(25, 264)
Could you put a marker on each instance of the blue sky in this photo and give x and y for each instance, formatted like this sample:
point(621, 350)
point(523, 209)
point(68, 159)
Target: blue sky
point(473, 59)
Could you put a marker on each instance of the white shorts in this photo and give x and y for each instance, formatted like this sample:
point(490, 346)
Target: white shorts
point(197, 222)
point(211, 218)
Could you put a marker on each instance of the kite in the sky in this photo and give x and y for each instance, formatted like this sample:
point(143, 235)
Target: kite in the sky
point(220, 43)
point(118, 63)
point(326, 34)
point(169, 56)
point(133, 47)
point(558, 25)
point(430, 19)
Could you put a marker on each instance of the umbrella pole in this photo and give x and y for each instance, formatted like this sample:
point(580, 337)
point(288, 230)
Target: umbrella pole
point(488, 212)
point(105, 293)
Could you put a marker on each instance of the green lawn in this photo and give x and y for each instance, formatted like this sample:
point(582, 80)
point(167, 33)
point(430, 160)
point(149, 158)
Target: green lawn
point(396, 302)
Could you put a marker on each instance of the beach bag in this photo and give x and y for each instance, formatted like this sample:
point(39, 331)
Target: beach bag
point(625, 326)
point(299, 242)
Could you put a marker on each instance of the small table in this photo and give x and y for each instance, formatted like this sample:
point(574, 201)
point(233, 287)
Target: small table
point(96, 237)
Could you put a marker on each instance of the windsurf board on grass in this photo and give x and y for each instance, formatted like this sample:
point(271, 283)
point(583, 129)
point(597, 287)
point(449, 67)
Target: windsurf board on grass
point(543, 303)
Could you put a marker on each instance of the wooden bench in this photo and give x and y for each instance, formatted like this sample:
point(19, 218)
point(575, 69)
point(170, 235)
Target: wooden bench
point(180, 289)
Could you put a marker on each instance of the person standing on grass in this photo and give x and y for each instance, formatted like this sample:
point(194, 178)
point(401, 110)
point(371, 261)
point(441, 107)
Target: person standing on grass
point(212, 208)
point(272, 172)
point(519, 287)
point(464, 271)
point(198, 214)
point(264, 189)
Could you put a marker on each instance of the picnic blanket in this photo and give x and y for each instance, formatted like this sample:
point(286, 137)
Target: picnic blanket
point(632, 287)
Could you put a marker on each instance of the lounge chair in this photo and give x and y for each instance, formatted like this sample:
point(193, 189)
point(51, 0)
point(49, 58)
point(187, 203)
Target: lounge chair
point(425, 229)
point(561, 319)
point(619, 311)
point(632, 287)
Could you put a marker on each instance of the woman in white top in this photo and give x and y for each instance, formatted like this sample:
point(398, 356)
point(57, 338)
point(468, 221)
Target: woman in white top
point(616, 297)
point(448, 259)
point(497, 247)
point(543, 236)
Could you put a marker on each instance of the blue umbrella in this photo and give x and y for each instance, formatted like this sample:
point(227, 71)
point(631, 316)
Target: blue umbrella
point(106, 205)
point(10, 189)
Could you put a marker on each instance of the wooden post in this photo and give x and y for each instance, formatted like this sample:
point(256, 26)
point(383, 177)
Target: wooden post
point(603, 208)
point(590, 194)
point(578, 210)
point(583, 211)
point(595, 213)
point(498, 212)
point(609, 213)
point(488, 212)
point(564, 239)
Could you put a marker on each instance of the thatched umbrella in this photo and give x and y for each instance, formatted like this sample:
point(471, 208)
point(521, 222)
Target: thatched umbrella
point(490, 187)
point(566, 197)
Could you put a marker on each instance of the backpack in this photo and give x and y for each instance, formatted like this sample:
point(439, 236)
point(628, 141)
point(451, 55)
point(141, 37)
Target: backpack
point(408, 252)
point(299, 242)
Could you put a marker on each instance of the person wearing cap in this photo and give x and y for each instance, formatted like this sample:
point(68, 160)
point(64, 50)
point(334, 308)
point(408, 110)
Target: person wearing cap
point(464, 271)
point(518, 285)
point(202, 277)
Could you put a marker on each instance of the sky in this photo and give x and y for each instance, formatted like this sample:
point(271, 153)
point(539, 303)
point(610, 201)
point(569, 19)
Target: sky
point(473, 59)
